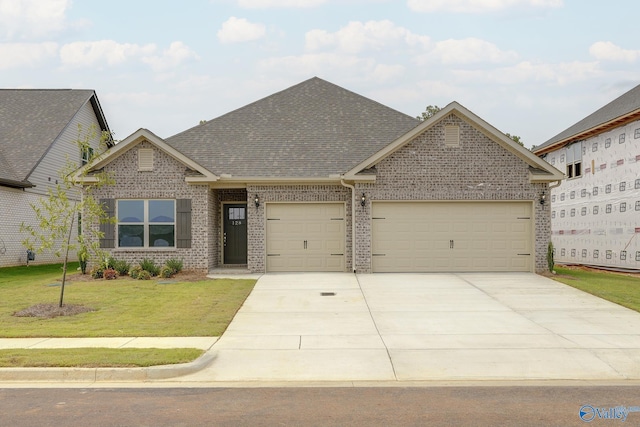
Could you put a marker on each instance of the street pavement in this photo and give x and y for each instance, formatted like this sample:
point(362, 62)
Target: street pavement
point(386, 329)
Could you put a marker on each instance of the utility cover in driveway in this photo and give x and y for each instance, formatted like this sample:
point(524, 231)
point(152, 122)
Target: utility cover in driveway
point(305, 237)
point(451, 236)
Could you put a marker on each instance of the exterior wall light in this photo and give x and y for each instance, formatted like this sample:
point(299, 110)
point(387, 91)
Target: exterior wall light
point(543, 198)
point(363, 200)
point(257, 201)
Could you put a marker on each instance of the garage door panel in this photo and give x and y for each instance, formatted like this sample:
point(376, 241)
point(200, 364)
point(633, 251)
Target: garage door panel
point(445, 236)
point(305, 236)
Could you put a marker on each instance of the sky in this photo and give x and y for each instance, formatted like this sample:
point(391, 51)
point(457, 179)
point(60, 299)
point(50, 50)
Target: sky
point(531, 68)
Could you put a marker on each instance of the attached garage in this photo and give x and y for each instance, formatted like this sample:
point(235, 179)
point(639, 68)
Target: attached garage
point(305, 237)
point(452, 236)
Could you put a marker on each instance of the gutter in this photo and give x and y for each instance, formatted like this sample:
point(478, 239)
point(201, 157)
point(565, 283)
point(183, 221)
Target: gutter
point(554, 184)
point(353, 223)
point(15, 184)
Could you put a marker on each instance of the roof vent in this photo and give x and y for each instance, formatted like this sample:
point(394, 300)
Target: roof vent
point(145, 159)
point(451, 136)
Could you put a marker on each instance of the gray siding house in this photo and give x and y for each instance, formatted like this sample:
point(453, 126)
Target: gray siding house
point(595, 213)
point(318, 178)
point(38, 130)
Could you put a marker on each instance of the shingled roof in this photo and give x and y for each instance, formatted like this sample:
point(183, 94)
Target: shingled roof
point(621, 110)
point(312, 129)
point(30, 121)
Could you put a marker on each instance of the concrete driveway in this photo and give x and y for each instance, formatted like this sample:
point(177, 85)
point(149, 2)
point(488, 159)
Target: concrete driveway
point(424, 327)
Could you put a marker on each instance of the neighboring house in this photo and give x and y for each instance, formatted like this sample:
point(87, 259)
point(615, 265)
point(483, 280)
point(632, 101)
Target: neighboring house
point(38, 130)
point(596, 211)
point(318, 178)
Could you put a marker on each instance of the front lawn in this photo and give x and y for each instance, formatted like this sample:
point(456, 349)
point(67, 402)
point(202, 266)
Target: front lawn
point(95, 357)
point(122, 308)
point(621, 288)
point(187, 305)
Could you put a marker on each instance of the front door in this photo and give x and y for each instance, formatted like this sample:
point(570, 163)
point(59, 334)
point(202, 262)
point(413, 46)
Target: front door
point(234, 238)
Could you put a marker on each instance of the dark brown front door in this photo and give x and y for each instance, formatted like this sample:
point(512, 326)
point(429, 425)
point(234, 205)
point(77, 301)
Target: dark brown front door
point(235, 234)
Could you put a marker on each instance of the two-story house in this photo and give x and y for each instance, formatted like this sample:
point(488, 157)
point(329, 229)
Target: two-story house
point(595, 213)
point(38, 134)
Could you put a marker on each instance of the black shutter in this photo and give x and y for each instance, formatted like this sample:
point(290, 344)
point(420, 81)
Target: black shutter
point(183, 223)
point(108, 228)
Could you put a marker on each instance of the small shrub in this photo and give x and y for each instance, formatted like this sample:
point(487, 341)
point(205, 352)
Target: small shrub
point(550, 261)
point(166, 272)
point(135, 271)
point(82, 258)
point(110, 274)
point(109, 262)
point(150, 266)
point(122, 267)
point(97, 272)
point(144, 275)
point(175, 265)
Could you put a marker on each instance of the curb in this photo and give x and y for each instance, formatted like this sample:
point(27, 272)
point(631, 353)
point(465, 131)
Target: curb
point(104, 374)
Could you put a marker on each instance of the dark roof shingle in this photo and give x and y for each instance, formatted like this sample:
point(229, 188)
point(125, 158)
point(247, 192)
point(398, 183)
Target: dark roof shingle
point(624, 104)
point(30, 121)
point(312, 129)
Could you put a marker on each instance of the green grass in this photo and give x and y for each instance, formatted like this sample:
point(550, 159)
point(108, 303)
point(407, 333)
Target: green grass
point(123, 307)
point(618, 288)
point(96, 357)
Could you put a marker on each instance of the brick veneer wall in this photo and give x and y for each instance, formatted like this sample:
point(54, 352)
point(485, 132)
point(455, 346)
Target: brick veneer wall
point(479, 169)
point(294, 193)
point(166, 181)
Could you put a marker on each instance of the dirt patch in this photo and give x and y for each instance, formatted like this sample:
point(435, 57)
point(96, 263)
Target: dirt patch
point(49, 311)
point(600, 270)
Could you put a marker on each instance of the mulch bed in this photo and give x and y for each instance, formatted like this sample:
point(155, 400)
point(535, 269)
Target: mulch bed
point(49, 311)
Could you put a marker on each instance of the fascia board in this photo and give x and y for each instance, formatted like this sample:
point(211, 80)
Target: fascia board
point(490, 131)
point(131, 141)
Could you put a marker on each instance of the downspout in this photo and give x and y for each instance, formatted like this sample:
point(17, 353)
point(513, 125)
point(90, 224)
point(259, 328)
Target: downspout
point(353, 223)
point(554, 184)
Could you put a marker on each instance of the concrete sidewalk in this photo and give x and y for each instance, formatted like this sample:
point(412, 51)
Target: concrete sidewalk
point(342, 328)
point(202, 343)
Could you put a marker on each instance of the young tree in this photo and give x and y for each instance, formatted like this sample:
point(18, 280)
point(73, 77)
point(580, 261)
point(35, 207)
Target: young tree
point(56, 213)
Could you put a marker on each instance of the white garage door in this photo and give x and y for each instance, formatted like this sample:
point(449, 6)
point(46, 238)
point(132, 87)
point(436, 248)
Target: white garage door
point(305, 237)
point(451, 236)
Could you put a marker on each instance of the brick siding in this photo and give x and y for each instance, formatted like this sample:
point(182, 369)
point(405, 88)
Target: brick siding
point(424, 169)
point(166, 181)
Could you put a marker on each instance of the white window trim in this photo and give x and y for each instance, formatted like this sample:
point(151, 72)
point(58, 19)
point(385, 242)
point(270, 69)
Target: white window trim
point(146, 225)
point(571, 165)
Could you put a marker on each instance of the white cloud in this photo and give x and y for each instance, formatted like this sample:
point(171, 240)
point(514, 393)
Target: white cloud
point(384, 72)
point(316, 63)
point(109, 52)
point(265, 4)
point(466, 51)
point(477, 6)
point(332, 64)
point(32, 18)
point(176, 54)
point(15, 55)
point(358, 36)
point(608, 51)
point(236, 30)
point(523, 72)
